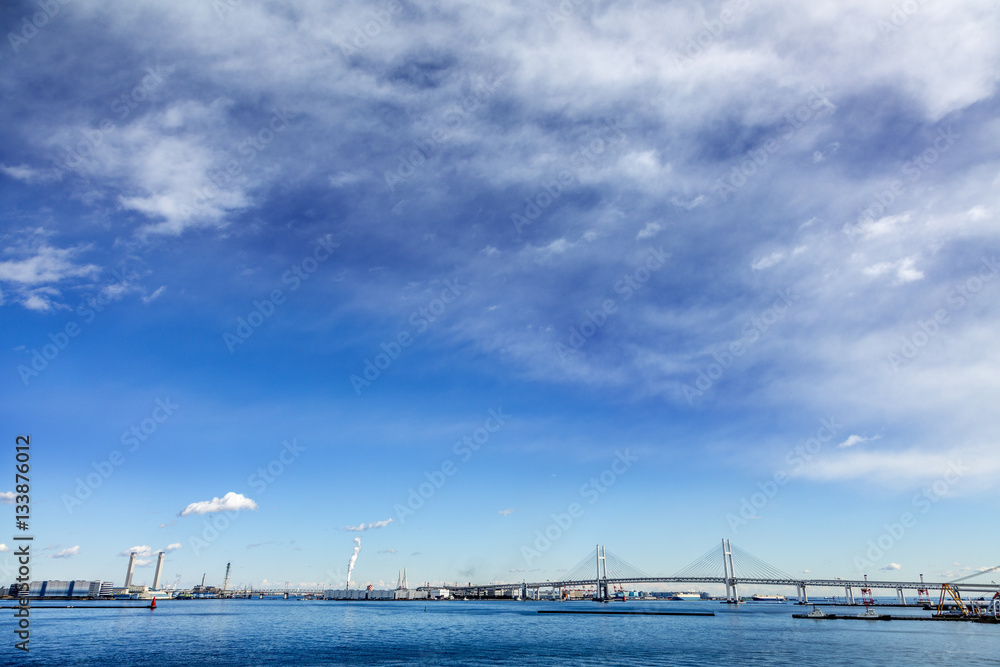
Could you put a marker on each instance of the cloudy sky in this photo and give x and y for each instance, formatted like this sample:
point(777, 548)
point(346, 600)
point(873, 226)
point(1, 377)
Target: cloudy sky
point(642, 274)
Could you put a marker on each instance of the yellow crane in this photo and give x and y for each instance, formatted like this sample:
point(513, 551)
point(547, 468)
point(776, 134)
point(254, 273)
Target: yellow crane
point(955, 595)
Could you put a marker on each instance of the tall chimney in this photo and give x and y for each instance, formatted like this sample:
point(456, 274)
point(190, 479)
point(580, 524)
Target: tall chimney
point(203, 580)
point(159, 569)
point(131, 567)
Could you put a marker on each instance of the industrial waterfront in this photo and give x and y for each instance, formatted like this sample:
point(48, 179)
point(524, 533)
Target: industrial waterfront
point(602, 577)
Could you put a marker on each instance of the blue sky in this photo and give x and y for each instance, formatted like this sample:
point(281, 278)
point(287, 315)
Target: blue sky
point(703, 270)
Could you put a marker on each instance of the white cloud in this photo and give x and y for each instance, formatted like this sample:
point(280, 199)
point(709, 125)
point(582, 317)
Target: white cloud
point(3, 548)
point(140, 551)
point(649, 231)
point(387, 551)
point(7, 497)
point(767, 262)
point(42, 264)
point(369, 526)
point(506, 512)
point(231, 502)
point(67, 553)
point(172, 547)
point(856, 440)
point(30, 174)
point(155, 295)
point(892, 566)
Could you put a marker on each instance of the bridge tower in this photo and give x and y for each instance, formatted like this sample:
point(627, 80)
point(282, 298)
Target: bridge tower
point(602, 576)
point(732, 593)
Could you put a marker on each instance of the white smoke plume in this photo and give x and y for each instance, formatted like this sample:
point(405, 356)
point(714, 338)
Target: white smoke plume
point(354, 559)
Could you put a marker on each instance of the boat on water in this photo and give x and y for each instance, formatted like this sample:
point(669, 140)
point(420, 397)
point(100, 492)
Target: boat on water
point(816, 613)
point(870, 613)
point(688, 595)
point(768, 598)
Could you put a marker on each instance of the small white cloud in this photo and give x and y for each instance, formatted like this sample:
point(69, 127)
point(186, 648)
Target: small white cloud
point(506, 512)
point(906, 272)
point(3, 548)
point(892, 566)
point(489, 251)
point(689, 204)
point(231, 502)
point(387, 551)
point(343, 178)
point(806, 571)
point(369, 526)
point(7, 497)
point(29, 174)
point(155, 295)
point(67, 553)
point(649, 231)
point(767, 262)
point(139, 551)
point(172, 547)
point(857, 440)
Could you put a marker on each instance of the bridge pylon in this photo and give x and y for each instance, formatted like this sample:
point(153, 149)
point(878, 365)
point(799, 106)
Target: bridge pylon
point(601, 593)
point(732, 593)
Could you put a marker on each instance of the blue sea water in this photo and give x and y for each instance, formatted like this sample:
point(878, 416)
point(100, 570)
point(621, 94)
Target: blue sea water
point(298, 632)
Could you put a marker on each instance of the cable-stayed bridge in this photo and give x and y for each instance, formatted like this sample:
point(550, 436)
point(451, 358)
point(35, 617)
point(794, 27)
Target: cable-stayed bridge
point(729, 566)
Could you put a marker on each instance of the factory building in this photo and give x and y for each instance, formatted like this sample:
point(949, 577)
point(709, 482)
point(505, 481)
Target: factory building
point(54, 588)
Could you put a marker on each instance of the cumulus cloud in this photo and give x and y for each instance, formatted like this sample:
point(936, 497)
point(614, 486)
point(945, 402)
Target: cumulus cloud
point(892, 566)
point(7, 497)
point(505, 512)
point(361, 527)
point(66, 553)
point(4, 547)
point(231, 502)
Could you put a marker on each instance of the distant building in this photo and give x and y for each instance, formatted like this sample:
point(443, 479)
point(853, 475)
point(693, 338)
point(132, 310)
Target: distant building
point(55, 588)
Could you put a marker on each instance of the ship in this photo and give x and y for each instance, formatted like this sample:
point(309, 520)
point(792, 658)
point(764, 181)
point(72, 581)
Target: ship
point(689, 595)
point(768, 598)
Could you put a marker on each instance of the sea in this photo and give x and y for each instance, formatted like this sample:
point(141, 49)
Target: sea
point(316, 632)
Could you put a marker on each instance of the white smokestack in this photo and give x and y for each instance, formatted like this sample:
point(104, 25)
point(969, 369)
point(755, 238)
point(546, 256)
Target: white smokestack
point(131, 568)
point(354, 559)
point(159, 569)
